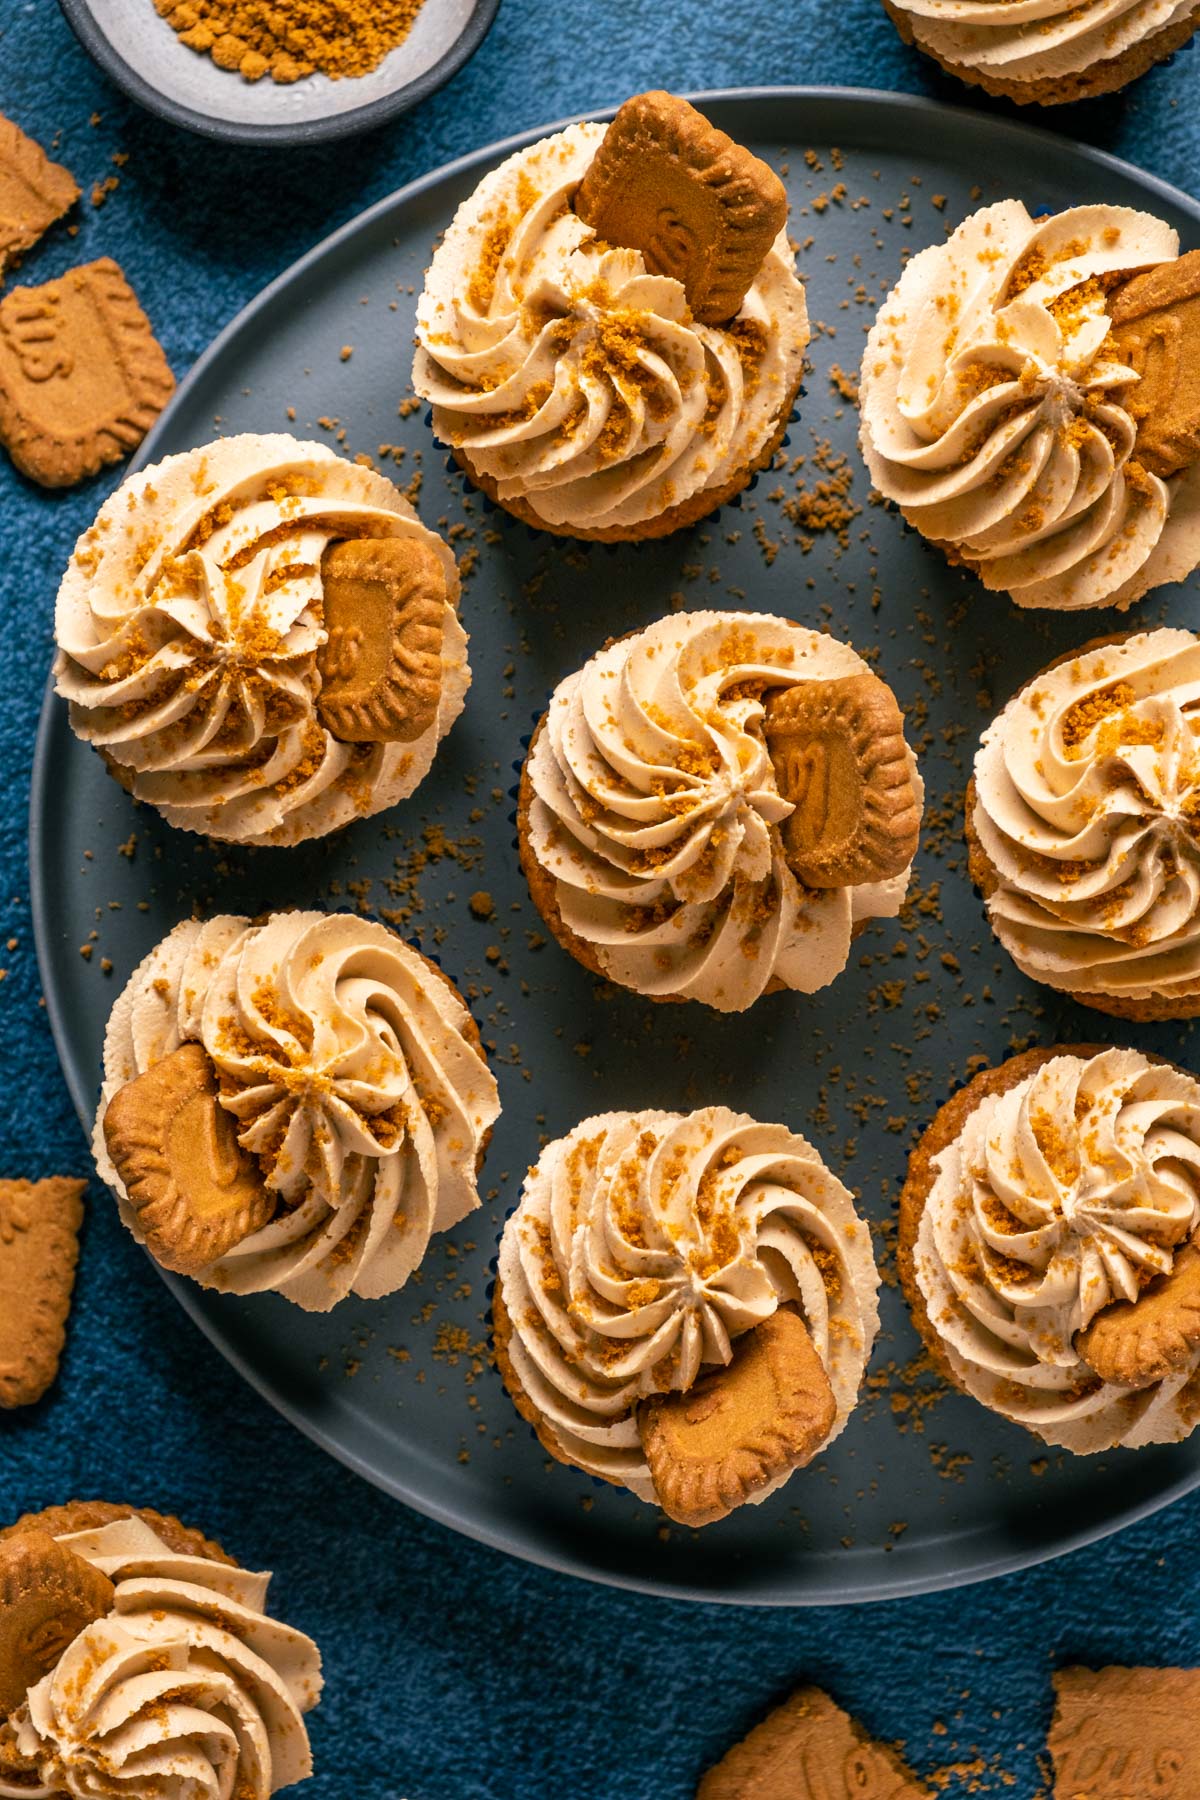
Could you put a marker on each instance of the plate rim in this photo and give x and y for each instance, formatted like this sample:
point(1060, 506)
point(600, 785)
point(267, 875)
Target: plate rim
point(50, 719)
point(80, 16)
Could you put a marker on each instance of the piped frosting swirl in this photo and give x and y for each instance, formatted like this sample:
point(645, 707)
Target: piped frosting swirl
point(993, 409)
point(1088, 809)
point(355, 1076)
point(1059, 1197)
point(655, 808)
point(188, 625)
point(1028, 43)
point(187, 1690)
point(646, 1243)
point(576, 379)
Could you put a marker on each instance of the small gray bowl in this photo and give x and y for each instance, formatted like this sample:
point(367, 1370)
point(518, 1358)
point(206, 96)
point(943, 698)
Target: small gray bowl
point(140, 52)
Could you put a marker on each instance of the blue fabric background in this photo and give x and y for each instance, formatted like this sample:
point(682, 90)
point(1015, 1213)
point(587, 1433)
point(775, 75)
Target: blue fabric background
point(453, 1673)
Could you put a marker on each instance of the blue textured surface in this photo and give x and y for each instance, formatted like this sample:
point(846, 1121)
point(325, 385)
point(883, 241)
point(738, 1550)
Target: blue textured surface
point(453, 1673)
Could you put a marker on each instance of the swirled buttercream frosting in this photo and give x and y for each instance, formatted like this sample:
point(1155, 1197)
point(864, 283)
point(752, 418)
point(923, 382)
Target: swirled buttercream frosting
point(1045, 49)
point(1067, 1193)
point(189, 623)
point(1088, 810)
point(354, 1074)
point(576, 380)
point(646, 1243)
point(994, 409)
point(186, 1690)
point(654, 808)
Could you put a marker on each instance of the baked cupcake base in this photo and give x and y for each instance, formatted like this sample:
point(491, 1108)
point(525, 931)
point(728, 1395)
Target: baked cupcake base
point(210, 1206)
point(676, 518)
point(985, 877)
point(1105, 77)
point(90, 1515)
point(1128, 1349)
point(311, 745)
point(544, 893)
point(947, 1125)
point(187, 1681)
point(543, 888)
point(613, 1368)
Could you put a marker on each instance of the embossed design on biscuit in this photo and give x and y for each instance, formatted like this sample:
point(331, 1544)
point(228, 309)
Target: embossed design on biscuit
point(381, 666)
point(195, 1192)
point(740, 1427)
point(1126, 1734)
point(48, 1595)
point(33, 192)
point(1156, 331)
point(39, 1248)
point(840, 758)
point(809, 1749)
point(698, 206)
point(1139, 1341)
point(82, 378)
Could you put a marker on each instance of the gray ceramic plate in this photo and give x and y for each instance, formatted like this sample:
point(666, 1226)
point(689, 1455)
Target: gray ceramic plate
point(141, 53)
point(921, 1492)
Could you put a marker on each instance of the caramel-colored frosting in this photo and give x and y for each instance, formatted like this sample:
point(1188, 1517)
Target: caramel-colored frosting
point(352, 1070)
point(1059, 1197)
point(188, 625)
point(994, 409)
point(1036, 41)
point(646, 1243)
point(657, 811)
point(574, 377)
point(185, 1689)
point(1088, 807)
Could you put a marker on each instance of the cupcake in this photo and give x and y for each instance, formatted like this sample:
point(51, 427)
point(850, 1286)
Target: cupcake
point(1047, 54)
point(712, 807)
point(1083, 822)
point(1049, 1245)
point(136, 1658)
point(1027, 403)
point(261, 640)
point(612, 331)
point(684, 1306)
point(292, 1106)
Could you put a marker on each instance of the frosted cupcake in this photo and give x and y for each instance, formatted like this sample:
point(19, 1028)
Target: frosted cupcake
point(612, 331)
point(262, 641)
point(685, 1306)
point(1048, 1245)
point(136, 1658)
point(1030, 408)
point(1049, 52)
point(292, 1107)
point(1083, 822)
point(712, 807)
